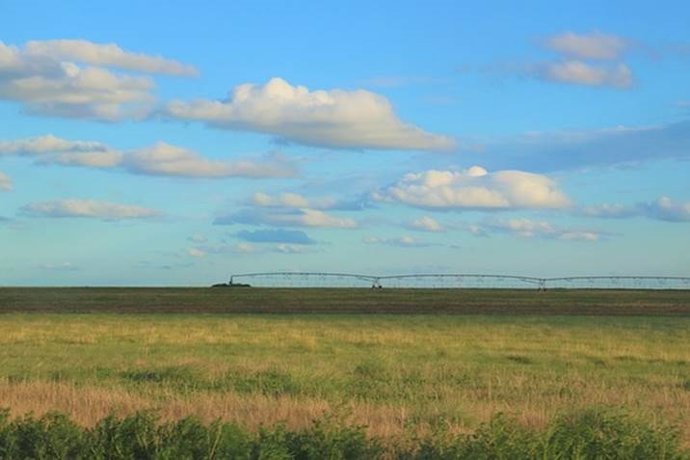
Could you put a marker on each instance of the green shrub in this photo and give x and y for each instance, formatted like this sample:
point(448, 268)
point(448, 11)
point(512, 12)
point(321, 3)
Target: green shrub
point(53, 436)
point(136, 436)
point(591, 434)
point(609, 434)
point(500, 438)
point(325, 440)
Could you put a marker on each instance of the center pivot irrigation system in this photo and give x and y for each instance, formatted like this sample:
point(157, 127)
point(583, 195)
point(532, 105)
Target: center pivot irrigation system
point(454, 280)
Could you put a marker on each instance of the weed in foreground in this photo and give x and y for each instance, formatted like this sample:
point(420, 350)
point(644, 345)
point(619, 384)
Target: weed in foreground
point(590, 434)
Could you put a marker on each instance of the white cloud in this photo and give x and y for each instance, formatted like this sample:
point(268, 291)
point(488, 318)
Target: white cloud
point(239, 248)
point(663, 208)
point(582, 73)
point(476, 230)
point(594, 60)
point(161, 159)
point(168, 160)
point(427, 224)
point(588, 46)
point(64, 266)
point(610, 211)
point(579, 50)
point(90, 93)
point(286, 248)
point(402, 241)
point(5, 182)
point(88, 209)
point(196, 253)
point(329, 118)
point(50, 149)
point(579, 236)
point(243, 248)
point(108, 159)
point(475, 188)
point(48, 144)
point(64, 78)
point(286, 217)
point(291, 200)
point(197, 238)
point(109, 55)
point(247, 248)
point(527, 228)
point(316, 218)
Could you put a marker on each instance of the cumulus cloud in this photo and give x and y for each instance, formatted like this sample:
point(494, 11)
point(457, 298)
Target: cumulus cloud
point(427, 224)
point(292, 237)
point(5, 182)
point(663, 208)
point(68, 78)
point(286, 217)
point(161, 159)
point(527, 228)
point(475, 188)
point(88, 209)
point(326, 118)
point(594, 45)
point(108, 55)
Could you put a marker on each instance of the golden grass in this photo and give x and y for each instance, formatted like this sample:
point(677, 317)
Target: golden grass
point(391, 374)
point(87, 404)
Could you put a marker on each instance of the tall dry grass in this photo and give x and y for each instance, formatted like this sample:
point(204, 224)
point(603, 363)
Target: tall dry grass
point(390, 373)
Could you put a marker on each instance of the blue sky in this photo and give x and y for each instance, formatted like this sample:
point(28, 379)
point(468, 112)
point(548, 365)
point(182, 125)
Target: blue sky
point(171, 143)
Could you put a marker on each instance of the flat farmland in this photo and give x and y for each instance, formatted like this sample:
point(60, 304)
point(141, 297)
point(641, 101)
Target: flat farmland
point(352, 301)
point(532, 355)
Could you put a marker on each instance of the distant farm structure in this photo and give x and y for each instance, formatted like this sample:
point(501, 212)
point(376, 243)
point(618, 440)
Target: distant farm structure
point(453, 280)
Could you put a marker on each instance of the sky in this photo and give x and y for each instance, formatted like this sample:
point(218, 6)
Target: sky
point(178, 143)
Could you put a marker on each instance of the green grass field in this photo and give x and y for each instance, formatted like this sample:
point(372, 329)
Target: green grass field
point(532, 355)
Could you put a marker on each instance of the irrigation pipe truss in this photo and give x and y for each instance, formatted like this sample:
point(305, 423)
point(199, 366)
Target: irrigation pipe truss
point(460, 279)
